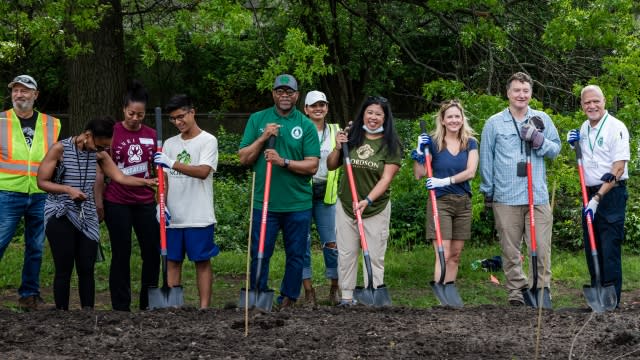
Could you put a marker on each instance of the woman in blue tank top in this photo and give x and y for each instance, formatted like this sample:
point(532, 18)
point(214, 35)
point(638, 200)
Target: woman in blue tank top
point(454, 153)
point(68, 174)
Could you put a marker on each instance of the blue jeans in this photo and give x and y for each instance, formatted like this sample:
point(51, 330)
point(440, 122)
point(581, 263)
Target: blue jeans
point(295, 230)
point(16, 205)
point(325, 218)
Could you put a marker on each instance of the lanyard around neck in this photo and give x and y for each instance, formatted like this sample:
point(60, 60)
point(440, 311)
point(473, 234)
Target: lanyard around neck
point(597, 134)
point(518, 131)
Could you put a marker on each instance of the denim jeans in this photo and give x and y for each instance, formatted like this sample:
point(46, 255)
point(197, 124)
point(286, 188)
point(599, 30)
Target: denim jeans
point(295, 230)
point(325, 218)
point(15, 206)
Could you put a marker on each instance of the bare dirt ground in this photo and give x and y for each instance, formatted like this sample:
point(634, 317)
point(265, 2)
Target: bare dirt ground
point(481, 332)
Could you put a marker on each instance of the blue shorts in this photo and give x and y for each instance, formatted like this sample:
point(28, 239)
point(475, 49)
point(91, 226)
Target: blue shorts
point(198, 243)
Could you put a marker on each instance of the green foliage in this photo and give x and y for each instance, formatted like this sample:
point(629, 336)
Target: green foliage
point(304, 61)
point(231, 200)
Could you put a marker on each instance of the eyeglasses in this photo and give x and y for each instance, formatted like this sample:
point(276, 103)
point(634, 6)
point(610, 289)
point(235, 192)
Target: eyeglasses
point(377, 99)
point(180, 117)
point(289, 92)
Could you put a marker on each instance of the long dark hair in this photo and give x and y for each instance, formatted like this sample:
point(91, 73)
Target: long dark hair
point(390, 138)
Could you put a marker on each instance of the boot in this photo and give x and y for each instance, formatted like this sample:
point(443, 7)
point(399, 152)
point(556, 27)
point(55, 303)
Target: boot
point(334, 297)
point(309, 292)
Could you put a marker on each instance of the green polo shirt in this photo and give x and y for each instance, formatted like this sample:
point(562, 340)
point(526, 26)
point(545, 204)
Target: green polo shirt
point(297, 139)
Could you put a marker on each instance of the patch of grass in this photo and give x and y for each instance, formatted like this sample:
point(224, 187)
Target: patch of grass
point(407, 275)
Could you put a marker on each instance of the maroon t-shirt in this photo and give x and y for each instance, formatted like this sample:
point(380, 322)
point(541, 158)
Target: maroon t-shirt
point(132, 151)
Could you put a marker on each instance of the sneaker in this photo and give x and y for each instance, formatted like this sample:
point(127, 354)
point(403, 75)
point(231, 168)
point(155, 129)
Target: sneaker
point(344, 303)
point(514, 302)
point(27, 303)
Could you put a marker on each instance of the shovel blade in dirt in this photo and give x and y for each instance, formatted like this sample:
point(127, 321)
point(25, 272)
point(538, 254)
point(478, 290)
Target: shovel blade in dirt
point(537, 297)
point(601, 298)
point(165, 297)
point(369, 296)
point(447, 294)
point(262, 300)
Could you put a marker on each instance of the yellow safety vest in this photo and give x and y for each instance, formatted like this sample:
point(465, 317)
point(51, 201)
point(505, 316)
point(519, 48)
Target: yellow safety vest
point(331, 194)
point(19, 163)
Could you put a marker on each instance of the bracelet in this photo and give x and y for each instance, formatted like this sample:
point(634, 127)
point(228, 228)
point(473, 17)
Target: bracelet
point(598, 195)
point(369, 201)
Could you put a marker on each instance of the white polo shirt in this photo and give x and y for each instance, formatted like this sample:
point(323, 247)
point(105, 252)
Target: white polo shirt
point(602, 145)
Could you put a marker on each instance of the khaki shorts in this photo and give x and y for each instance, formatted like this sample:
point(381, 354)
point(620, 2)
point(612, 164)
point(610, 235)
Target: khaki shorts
point(454, 211)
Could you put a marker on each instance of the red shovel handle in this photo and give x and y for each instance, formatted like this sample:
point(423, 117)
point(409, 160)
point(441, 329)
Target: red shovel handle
point(585, 200)
point(161, 196)
point(265, 200)
point(354, 197)
point(432, 193)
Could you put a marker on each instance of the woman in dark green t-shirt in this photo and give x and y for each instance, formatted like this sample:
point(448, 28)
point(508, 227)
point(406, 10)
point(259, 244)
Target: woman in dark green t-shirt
point(376, 154)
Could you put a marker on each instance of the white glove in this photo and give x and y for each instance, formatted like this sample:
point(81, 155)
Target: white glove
point(423, 140)
point(163, 160)
point(167, 216)
point(591, 208)
point(433, 183)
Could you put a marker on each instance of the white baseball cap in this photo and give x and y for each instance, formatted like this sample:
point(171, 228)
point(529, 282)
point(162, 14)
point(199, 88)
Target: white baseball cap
point(25, 80)
point(315, 96)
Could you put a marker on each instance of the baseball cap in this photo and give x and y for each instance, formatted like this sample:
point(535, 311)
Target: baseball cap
point(286, 80)
point(315, 96)
point(25, 80)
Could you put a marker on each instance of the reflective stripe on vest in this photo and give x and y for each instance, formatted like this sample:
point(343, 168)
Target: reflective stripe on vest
point(25, 166)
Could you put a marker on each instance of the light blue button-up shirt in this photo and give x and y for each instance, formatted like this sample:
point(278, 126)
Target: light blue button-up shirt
point(500, 151)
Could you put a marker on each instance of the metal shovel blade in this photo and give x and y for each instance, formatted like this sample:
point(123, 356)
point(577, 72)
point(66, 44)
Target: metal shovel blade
point(372, 297)
point(447, 294)
point(537, 298)
point(601, 299)
point(165, 297)
point(262, 300)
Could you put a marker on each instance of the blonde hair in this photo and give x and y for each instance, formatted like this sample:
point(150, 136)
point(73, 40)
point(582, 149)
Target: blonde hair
point(465, 133)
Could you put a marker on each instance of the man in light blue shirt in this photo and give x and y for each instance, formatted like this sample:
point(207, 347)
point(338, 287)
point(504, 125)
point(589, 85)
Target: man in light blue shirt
point(504, 183)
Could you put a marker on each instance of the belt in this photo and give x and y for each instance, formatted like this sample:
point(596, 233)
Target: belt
point(594, 189)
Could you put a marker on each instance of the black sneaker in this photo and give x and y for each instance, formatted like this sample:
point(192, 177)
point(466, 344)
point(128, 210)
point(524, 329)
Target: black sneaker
point(514, 302)
point(345, 303)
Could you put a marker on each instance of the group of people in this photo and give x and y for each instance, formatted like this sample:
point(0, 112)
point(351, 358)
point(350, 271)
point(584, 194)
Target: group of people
point(65, 188)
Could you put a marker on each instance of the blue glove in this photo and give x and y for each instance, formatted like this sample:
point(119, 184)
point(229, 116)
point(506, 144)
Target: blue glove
point(167, 216)
point(608, 177)
point(433, 183)
point(163, 160)
point(530, 133)
point(572, 137)
point(423, 140)
point(591, 208)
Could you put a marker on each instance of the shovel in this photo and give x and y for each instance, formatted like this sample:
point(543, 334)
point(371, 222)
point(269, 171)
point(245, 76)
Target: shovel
point(447, 293)
point(533, 297)
point(368, 295)
point(600, 298)
point(260, 299)
point(166, 296)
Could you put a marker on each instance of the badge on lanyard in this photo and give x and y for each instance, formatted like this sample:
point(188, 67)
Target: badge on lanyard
point(592, 164)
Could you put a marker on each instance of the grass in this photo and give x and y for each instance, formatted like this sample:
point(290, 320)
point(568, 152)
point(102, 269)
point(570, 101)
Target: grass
point(407, 274)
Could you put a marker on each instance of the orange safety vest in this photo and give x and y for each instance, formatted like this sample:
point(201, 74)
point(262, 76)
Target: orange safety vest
point(19, 163)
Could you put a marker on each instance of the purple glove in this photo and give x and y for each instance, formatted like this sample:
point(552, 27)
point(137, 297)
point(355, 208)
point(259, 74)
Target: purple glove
point(530, 133)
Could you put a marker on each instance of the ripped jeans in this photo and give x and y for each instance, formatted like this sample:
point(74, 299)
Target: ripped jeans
point(325, 218)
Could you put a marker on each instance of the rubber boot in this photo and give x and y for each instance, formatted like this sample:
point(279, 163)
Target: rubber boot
point(334, 297)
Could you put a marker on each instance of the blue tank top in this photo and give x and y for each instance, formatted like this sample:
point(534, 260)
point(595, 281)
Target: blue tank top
point(76, 169)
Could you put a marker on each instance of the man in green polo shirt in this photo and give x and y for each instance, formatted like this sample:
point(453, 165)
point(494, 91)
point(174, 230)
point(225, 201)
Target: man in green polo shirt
point(295, 158)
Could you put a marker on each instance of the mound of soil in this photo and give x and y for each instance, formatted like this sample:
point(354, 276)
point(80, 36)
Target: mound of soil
point(482, 332)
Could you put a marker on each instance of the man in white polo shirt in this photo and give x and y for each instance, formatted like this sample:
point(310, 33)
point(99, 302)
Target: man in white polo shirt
point(604, 141)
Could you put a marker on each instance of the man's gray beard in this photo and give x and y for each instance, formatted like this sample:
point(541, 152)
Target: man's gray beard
point(27, 105)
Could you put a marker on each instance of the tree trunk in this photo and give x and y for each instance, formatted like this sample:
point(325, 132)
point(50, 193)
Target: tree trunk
point(97, 79)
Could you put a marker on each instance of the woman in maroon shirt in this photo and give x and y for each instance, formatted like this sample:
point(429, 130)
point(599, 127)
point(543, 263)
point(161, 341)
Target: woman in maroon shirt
point(128, 207)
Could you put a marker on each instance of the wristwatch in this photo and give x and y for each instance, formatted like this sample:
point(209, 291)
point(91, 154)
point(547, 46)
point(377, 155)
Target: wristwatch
point(286, 163)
